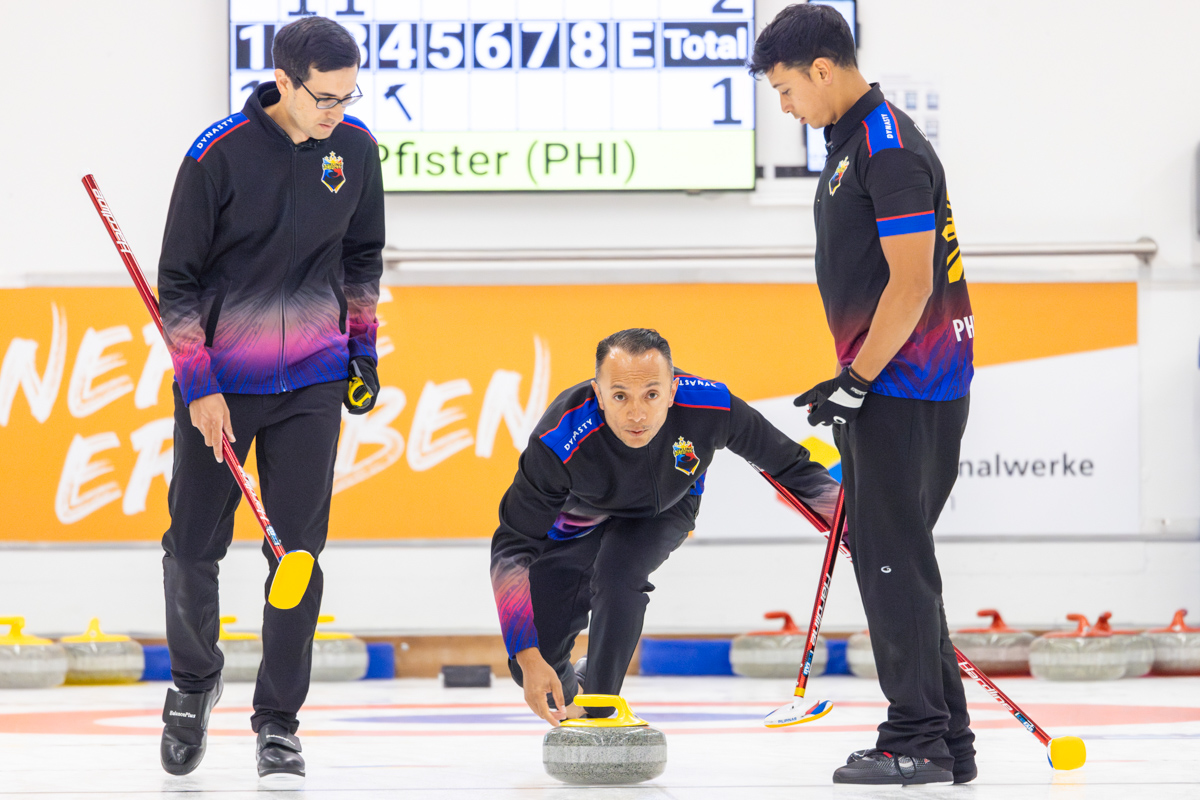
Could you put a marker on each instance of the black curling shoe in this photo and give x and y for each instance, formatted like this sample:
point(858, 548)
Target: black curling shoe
point(879, 767)
point(580, 672)
point(185, 734)
point(964, 768)
point(279, 758)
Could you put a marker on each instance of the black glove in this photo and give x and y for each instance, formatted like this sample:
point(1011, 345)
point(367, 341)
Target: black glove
point(364, 385)
point(835, 401)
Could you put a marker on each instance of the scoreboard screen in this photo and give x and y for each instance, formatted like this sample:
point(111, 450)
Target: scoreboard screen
point(537, 95)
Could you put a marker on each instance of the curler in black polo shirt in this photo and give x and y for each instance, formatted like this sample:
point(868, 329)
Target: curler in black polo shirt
point(882, 178)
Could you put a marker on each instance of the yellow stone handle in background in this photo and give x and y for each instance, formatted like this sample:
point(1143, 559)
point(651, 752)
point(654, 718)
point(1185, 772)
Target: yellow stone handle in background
point(234, 636)
point(326, 636)
point(15, 636)
point(94, 634)
point(624, 718)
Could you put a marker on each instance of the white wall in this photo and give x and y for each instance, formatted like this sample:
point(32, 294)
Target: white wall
point(1061, 121)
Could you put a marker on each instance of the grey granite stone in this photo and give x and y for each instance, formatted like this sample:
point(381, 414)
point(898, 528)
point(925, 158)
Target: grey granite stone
point(590, 756)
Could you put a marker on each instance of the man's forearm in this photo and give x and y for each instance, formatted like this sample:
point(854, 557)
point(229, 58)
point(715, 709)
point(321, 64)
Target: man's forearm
point(899, 310)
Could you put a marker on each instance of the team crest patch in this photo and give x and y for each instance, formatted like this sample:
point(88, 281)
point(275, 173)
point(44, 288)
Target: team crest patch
point(685, 457)
point(331, 172)
point(836, 180)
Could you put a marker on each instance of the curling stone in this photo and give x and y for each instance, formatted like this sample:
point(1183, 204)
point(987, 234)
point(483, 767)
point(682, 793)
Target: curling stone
point(620, 749)
point(996, 649)
point(1176, 647)
point(27, 662)
point(337, 656)
point(1139, 652)
point(243, 653)
point(860, 657)
point(98, 657)
point(1084, 654)
point(775, 654)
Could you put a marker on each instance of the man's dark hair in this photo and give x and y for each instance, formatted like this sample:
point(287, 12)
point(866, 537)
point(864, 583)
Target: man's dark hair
point(313, 43)
point(635, 342)
point(801, 34)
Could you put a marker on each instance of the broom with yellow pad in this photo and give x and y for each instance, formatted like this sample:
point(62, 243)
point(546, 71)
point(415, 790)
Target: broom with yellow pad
point(295, 567)
point(1063, 752)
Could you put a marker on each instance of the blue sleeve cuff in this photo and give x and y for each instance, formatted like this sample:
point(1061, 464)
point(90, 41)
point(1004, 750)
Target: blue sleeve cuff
point(906, 223)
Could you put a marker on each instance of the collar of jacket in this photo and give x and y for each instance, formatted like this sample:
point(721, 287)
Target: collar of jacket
point(840, 132)
point(267, 94)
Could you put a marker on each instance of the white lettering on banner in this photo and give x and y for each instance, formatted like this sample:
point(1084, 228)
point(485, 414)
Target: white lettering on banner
point(20, 371)
point(502, 402)
point(71, 503)
point(158, 363)
point(430, 416)
point(152, 460)
point(84, 398)
point(372, 428)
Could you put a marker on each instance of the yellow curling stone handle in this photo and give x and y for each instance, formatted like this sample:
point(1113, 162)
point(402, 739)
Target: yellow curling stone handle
point(94, 634)
point(15, 636)
point(623, 719)
point(327, 636)
point(234, 636)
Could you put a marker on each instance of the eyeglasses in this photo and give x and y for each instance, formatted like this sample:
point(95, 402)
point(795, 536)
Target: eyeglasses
point(325, 103)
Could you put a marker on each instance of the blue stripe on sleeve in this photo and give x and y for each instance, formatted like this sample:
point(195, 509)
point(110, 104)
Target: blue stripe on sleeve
point(907, 223)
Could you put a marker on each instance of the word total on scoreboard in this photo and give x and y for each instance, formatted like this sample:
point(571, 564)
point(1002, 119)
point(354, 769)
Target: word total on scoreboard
point(528, 95)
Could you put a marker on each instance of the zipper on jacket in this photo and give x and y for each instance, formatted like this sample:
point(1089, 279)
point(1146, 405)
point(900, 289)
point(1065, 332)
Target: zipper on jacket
point(283, 385)
point(653, 479)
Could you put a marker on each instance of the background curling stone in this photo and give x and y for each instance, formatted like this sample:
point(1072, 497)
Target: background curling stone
point(860, 657)
point(27, 662)
point(1139, 648)
point(1080, 655)
point(617, 750)
point(337, 656)
point(243, 653)
point(1176, 647)
point(97, 657)
point(996, 649)
point(775, 654)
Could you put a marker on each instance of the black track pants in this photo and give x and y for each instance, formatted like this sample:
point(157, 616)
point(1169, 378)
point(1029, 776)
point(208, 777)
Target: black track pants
point(899, 463)
point(606, 573)
point(296, 435)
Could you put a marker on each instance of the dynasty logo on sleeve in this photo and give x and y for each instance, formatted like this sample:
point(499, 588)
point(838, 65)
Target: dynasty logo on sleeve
point(331, 172)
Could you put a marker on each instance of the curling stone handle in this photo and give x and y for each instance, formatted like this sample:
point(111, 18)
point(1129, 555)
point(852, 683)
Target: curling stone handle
point(323, 618)
point(1082, 621)
point(997, 621)
point(624, 716)
point(15, 624)
point(789, 625)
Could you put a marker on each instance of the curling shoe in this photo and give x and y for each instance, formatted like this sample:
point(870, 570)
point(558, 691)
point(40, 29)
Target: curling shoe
point(965, 770)
point(279, 759)
point(880, 768)
point(185, 734)
point(580, 672)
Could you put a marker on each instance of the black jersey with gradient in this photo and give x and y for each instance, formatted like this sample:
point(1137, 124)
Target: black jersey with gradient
point(882, 178)
point(575, 474)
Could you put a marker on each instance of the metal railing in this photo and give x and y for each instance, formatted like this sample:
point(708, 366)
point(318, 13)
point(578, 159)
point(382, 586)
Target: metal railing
point(1143, 249)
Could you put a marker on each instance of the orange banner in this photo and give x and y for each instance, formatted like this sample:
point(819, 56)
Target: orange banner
point(86, 417)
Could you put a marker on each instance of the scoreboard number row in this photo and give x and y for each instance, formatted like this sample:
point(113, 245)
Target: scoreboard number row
point(499, 45)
